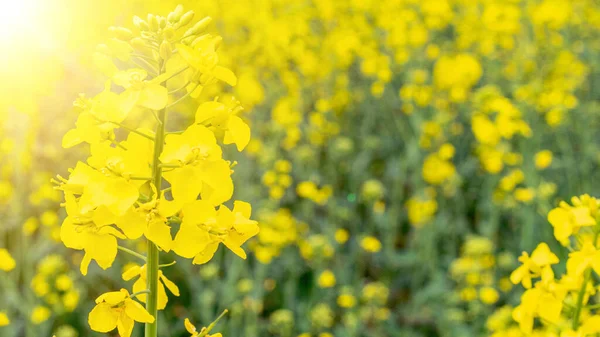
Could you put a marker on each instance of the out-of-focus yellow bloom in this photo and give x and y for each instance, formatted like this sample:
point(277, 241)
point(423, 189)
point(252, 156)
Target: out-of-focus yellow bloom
point(40, 314)
point(543, 159)
point(4, 321)
point(346, 301)
point(341, 235)
point(7, 263)
point(370, 244)
point(488, 295)
point(326, 279)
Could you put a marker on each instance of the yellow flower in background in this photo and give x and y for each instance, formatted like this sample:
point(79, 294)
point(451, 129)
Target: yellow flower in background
point(420, 211)
point(117, 310)
point(341, 235)
point(346, 301)
point(488, 295)
point(370, 244)
point(4, 321)
point(7, 263)
point(40, 314)
point(543, 159)
point(326, 279)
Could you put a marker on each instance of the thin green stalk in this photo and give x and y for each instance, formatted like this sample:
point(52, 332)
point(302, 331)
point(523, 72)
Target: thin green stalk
point(580, 296)
point(152, 260)
point(132, 253)
point(582, 291)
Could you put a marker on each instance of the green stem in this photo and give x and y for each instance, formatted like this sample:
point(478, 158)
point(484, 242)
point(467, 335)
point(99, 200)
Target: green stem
point(167, 264)
point(177, 72)
point(182, 97)
point(582, 291)
point(130, 129)
point(580, 296)
point(131, 252)
point(153, 256)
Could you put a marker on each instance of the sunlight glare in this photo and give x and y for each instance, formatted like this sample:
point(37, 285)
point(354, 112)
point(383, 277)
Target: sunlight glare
point(17, 19)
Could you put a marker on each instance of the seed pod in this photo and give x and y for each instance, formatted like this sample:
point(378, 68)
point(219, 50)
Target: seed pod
point(121, 33)
point(140, 23)
point(152, 22)
point(186, 18)
point(165, 50)
point(199, 27)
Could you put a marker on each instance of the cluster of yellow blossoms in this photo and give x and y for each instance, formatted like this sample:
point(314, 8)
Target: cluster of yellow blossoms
point(119, 193)
point(562, 306)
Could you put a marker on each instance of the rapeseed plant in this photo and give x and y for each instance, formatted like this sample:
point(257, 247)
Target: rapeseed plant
point(120, 193)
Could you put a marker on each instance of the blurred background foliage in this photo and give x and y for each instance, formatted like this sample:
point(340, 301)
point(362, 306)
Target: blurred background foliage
point(403, 154)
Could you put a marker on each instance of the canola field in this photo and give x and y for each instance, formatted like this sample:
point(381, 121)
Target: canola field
point(300, 168)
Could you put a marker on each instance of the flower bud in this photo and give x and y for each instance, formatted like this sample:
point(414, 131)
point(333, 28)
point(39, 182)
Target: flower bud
point(217, 42)
point(155, 54)
point(186, 18)
point(137, 43)
point(165, 50)
point(198, 27)
point(140, 23)
point(121, 33)
point(162, 22)
point(169, 33)
point(200, 39)
point(175, 15)
point(152, 22)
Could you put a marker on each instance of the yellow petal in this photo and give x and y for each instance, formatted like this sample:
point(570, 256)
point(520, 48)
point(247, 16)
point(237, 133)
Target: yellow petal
point(102, 318)
point(71, 138)
point(153, 96)
point(85, 263)
point(102, 248)
point(136, 311)
point(190, 239)
point(206, 254)
point(189, 326)
point(186, 183)
point(132, 223)
point(225, 75)
point(159, 233)
point(163, 299)
point(131, 273)
point(170, 285)
point(238, 132)
point(125, 325)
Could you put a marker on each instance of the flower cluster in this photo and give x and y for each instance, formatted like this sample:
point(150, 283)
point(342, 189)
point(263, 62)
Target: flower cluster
point(562, 304)
point(139, 182)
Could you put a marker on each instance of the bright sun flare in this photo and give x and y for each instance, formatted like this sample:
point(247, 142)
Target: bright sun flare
point(17, 18)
